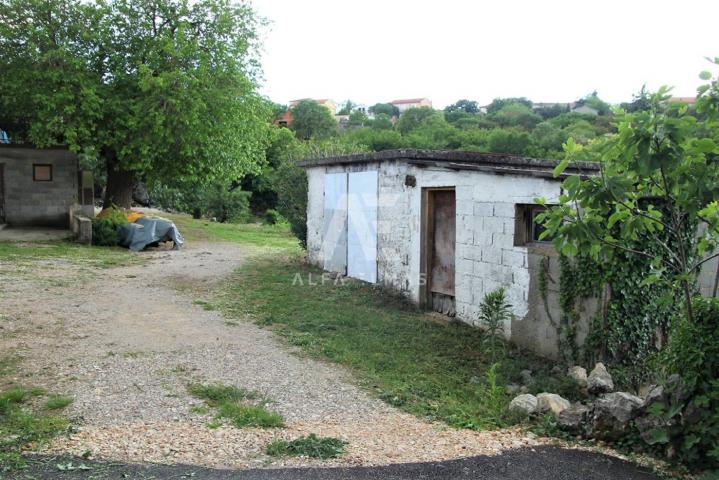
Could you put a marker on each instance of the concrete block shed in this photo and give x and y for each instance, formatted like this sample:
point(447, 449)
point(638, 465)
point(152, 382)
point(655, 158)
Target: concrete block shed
point(38, 186)
point(443, 228)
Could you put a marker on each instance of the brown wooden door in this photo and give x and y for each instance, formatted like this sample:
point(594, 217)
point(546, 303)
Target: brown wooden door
point(442, 223)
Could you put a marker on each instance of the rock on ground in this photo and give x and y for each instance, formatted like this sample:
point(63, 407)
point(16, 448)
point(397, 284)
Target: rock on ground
point(552, 402)
point(579, 375)
point(526, 403)
point(612, 414)
point(573, 418)
point(599, 380)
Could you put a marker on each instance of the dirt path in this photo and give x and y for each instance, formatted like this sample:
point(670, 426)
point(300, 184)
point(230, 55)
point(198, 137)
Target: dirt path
point(126, 343)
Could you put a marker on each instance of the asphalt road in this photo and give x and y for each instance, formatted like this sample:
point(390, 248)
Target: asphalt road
point(539, 463)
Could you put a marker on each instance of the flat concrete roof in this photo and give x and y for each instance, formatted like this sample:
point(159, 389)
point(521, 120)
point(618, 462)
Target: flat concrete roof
point(460, 160)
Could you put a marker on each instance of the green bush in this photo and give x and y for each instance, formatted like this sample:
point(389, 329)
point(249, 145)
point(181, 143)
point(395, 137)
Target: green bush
point(227, 206)
point(693, 353)
point(273, 217)
point(290, 182)
point(104, 229)
point(309, 446)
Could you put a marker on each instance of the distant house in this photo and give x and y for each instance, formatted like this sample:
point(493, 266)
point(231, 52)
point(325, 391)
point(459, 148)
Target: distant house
point(405, 104)
point(689, 100)
point(325, 102)
point(586, 109)
point(41, 186)
point(285, 120)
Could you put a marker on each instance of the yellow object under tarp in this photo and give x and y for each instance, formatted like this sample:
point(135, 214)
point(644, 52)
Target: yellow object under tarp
point(132, 215)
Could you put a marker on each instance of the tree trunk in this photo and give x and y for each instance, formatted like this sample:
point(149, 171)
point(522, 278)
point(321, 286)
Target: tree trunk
point(119, 182)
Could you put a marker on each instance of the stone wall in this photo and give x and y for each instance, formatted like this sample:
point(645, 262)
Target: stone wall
point(29, 202)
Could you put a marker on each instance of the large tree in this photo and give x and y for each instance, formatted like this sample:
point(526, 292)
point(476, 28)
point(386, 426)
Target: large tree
point(162, 88)
point(312, 120)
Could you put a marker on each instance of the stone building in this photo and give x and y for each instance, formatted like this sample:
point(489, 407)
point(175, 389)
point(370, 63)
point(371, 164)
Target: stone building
point(443, 228)
point(38, 187)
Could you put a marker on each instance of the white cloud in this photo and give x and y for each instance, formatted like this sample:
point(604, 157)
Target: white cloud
point(378, 50)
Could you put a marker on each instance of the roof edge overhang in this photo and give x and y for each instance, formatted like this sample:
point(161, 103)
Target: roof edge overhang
point(460, 160)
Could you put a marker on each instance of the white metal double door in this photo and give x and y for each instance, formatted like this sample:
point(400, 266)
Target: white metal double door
point(350, 224)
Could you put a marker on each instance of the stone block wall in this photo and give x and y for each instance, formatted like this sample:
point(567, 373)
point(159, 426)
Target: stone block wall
point(29, 202)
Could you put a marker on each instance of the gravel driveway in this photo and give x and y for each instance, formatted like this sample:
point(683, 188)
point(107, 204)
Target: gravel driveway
point(126, 342)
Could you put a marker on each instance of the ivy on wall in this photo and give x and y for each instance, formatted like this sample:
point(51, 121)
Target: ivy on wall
point(631, 319)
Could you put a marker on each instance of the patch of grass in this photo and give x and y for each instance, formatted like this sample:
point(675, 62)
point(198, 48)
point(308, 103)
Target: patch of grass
point(201, 409)
point(56, 402)
point(205, 305)
point(309, 446)
point(132, 354)
point(232, 405)
point(20, 426)
point(412, 360)
point(216, 394)
point(242, 415)
point(100, 257)
point(257, 234)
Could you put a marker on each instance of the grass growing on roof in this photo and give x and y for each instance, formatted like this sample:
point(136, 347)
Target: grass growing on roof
point(309, 446)
point(412, 360)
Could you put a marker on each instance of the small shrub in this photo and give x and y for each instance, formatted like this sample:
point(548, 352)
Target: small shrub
point(693, 353)
point(242, 415)
point(104, 228)
point(227, 206)
point(309, 446)
point(273, 217)
point(493, 312)
point(56, 402)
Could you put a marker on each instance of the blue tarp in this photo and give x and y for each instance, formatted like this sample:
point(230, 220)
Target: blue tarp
point(148, 230)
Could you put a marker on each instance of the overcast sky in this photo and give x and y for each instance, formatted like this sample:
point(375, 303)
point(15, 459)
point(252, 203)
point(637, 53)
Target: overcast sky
point(379, 50)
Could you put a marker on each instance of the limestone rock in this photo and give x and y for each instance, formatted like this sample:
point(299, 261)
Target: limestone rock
point(654, 394)
point(512, 389)
point(579, 375)
point(526, 403)
point(573, 418)
point(612, 414)
point(599, 380)
point(552, 402)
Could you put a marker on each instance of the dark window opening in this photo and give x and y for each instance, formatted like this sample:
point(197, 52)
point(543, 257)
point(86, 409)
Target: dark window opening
point(527, 228)
point(42, 172)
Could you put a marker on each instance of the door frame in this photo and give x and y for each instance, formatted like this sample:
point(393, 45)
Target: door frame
point(426, 244)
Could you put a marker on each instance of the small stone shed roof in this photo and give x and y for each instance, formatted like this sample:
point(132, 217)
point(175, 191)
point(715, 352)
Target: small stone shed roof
point(499, 163)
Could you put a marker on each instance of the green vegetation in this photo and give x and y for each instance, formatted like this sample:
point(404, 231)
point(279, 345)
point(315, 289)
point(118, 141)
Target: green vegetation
point(104, 228)
point(172, 95)
point(645, 227)
point(241, 415)
point(19, 425)
point(309, 446)
point(410, 359)
point(255, 234)
point(232, 405)
point(97, 257)
point(494, 311)
point(57, 402)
